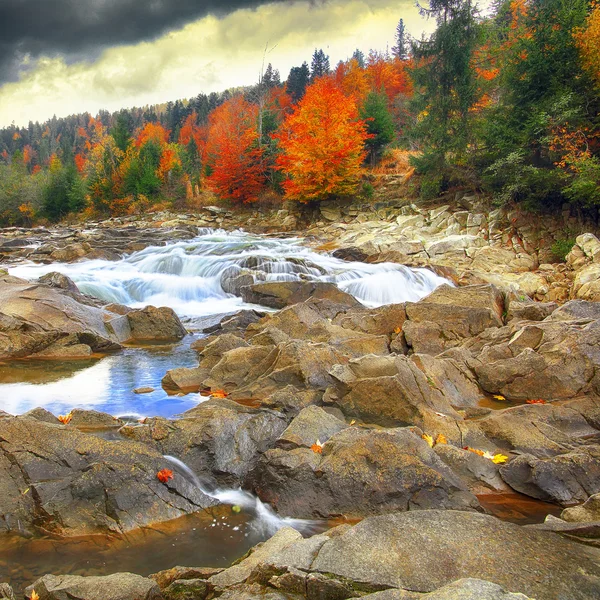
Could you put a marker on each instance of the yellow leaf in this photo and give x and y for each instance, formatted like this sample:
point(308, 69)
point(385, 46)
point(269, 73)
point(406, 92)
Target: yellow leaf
point(499, 397)
point(34, 596)
point(353, 422)
point(441, 439)
point(398, 330)
point(65, 419)
point(428, 439)
point(499, 459)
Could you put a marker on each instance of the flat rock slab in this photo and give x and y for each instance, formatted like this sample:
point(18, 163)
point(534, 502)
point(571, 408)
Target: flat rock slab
point(425, 550)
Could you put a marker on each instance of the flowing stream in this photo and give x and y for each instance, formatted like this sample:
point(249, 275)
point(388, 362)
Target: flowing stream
point(188, 277)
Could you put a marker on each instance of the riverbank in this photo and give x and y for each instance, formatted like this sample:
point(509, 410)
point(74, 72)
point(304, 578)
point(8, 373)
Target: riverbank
point(403, 415)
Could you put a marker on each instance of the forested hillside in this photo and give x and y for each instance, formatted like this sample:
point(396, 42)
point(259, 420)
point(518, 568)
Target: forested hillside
point(507, 103)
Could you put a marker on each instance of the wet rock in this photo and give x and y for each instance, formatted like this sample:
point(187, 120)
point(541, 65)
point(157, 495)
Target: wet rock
point(359, 472)
point(566, 479)
point(57, 479)
point(219, 439)
point(184, 379)
point(120, 586)
point(58, 280)
point(403, 551)
point(187, 589)
point(165, 578)
point(587, 512)
point(279, 294)
point(155, 324)
point(239, 572)
point(6, 592)
point(37, 319)
point(143, 390)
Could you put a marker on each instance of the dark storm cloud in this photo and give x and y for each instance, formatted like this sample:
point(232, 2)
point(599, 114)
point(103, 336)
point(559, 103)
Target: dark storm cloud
point(79, 29)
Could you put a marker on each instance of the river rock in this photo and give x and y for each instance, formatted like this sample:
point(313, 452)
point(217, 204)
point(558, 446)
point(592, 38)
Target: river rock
point(38, 319)
point(93, 419)
point(405, 550)
point(449, 315)
point(57, 479)
point(58, 280)
point(6, 592)
point(587, 512)
point(311, 424)
point(357, 473)
point(155, 324)
point(219, 439)
point(165, 578)
point(530, 311)
point(120, 586)
point(278, 294)
point(566, 479)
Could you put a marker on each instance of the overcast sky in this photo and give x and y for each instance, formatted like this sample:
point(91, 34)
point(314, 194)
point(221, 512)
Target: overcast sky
point(68, 56)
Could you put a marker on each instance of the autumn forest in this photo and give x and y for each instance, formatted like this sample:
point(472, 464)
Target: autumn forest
point(507, 103)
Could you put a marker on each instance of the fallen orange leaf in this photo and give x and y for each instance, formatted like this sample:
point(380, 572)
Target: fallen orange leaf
point(65, 419)
point(34, 596)
point(540, 401)
point(164, 475)
point(398, 330)
point(317, 447)
point(219, 394)
point(441, 439)
point(474, 450)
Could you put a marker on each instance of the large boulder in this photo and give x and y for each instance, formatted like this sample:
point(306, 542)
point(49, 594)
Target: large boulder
point(279, 294)
point(566, 479)
point(359, 472)
point(449, 315)
point(425, 550)
point(120, 586)
point(60, 480)
point(219, 439)
point(588, 512)
point(155, 324)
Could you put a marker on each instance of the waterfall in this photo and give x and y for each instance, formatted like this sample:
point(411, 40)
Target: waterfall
point(266, 520)
point(187, 275)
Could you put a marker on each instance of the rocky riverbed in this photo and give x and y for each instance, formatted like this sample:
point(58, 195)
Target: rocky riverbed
point(400, 419)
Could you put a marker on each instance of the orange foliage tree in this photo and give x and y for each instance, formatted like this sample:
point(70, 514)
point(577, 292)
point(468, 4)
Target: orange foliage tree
point(323, 143)
point(233, 153)
point(588, 42)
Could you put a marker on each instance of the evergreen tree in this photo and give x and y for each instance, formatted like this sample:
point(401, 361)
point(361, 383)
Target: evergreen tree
point(319, 65)
point(297, 82)
point(380, 124)
point(400, 50)
point(122, 130)
point(359, 57)
point(271, 77)
point(446, 81)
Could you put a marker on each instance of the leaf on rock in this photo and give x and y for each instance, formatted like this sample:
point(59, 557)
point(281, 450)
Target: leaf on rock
point(499, 397)
point(34, 596)
point(219, 394)
point(398, 330)
point(317, 447)
point(65, 419)
point(428, 439)
point(499, 459)
point(164, 475)
point(539, 401)
point(441, 439)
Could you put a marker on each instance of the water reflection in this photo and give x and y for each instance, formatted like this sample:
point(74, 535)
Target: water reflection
point(105, 384)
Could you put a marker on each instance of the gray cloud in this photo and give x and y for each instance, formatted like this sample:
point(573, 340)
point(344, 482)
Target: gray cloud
point(81, 29)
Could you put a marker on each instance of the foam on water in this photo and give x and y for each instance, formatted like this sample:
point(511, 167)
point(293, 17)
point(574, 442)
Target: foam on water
point(187, 275)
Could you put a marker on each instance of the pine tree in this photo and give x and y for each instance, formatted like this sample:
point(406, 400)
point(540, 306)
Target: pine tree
point(380, 124)
point(271, 77)
point(400, 50)
point(319, 65)
point(445, 77)
point(297, 81)
point(359, 57)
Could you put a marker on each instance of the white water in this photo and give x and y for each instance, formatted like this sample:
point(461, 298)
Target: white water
point(266, 522)
point(187, 275)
